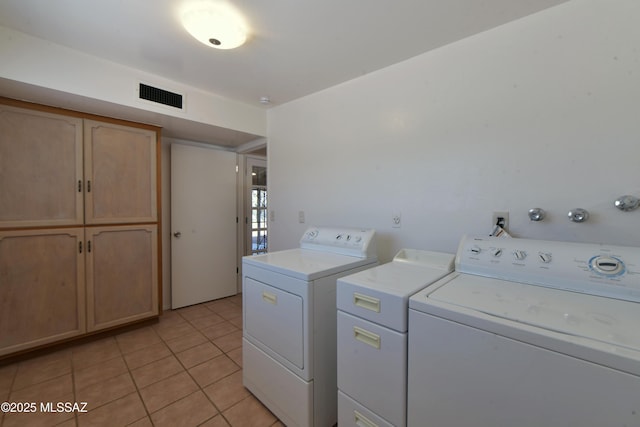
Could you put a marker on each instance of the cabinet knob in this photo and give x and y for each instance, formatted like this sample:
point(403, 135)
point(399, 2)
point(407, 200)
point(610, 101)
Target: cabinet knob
point(177, 234)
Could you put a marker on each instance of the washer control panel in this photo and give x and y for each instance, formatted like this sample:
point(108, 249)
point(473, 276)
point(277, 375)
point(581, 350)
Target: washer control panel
point(346, 241)
point(606, 270)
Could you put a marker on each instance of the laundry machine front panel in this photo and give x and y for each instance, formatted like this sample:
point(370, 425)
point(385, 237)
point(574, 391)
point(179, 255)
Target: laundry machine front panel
point(460, 375)
point(353, 414)
point(372, 366)
point(274, 318)
point(287, 395)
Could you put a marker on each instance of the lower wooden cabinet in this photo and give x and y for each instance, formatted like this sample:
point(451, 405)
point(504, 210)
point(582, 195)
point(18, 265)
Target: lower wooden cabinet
point(62, 283)
point(42, 287)
point(122, 275)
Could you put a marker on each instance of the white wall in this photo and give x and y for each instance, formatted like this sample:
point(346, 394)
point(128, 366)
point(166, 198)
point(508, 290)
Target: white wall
point(541, 112)
point(34, 61)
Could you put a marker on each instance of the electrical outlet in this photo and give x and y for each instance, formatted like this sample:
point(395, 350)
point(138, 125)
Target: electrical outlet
point(502, 217)
point(396, 220)
point(301, 217)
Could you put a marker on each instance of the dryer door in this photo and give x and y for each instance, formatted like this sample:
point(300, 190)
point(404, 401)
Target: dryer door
point(274, 318)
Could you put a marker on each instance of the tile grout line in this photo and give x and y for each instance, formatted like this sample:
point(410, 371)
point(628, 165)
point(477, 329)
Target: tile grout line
point(76, 416)
point(175, 355)
point(220, 379)
point(133, 381)
point(75, 368)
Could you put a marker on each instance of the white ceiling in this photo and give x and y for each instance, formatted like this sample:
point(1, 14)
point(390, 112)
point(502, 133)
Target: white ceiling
point(296, 47)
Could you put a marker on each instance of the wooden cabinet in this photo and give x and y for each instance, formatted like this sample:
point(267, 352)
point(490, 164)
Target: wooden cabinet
point(120, 172)
point(42, 293)
point(40, 169)
point(122, 269)
point(79, 224)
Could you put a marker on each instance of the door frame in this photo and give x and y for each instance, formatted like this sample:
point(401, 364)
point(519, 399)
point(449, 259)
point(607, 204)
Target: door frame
point(244, 205)
point(246, 226)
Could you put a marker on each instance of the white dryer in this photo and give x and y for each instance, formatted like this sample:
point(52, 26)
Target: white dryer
point(372, 336)
point(289, 322)
point(528, 333)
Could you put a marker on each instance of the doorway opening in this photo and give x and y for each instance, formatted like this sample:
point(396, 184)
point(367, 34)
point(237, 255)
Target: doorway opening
point(257, 220)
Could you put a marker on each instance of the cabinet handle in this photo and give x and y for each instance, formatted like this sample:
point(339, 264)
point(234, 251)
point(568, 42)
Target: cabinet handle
point(366, 302)
point(88, 186)
point(79, 186)
point(80, 247)
point(369, 338)
point(270, 298)
point(89, 246)
point(362, 421)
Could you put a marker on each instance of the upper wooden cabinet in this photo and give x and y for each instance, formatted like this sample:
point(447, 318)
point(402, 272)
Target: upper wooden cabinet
point(45, 182)
point(40, 169)
point(120, 174)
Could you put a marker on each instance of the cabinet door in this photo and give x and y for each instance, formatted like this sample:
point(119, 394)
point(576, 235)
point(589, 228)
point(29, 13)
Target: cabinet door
point(42, 295)
point(120, 173)
point(40, 169)
point(122, 275)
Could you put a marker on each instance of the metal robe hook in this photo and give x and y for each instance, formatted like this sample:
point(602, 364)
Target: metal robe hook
point(627, 203)
point(536, 214)
point(578, 215)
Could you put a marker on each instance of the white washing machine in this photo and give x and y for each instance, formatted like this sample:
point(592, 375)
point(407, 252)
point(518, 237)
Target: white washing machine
point(528, 333)
point(372, 336)
point(289, 329)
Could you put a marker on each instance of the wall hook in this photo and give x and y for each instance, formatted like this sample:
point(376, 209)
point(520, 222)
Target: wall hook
point(536, 214)
point(626, 203)
point(578, 215)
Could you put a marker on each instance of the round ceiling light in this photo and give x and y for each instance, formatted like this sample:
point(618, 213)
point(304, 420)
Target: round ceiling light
point(215, 24)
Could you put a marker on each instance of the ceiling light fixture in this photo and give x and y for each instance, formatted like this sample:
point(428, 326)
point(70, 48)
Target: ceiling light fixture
point(215, 24)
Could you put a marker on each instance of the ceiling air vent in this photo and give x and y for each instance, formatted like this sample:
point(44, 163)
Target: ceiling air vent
point(160, 96)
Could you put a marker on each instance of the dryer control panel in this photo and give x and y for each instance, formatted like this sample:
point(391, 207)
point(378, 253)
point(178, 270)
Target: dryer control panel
point(345, 241)
point(605, 270)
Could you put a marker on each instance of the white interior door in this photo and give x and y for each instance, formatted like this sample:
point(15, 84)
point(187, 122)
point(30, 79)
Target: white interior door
point(203, 224)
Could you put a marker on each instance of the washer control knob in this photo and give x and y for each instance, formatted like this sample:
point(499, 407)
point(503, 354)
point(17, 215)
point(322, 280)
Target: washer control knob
point(519, 255)
point(475, 249)
point(608, 266)
point(544, 257)
point(496, 252)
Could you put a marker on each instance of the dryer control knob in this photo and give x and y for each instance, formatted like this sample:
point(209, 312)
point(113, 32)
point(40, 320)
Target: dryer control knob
point(519, 255)
point(475, 249)
point(544, 257)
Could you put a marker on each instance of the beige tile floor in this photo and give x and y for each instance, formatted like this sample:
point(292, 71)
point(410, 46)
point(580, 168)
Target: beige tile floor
point(186, 370)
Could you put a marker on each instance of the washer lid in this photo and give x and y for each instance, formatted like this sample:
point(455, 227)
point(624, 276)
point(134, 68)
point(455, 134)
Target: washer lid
point(427, 259)
point(306, 264)
point(605, 320)
point(394, 278)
